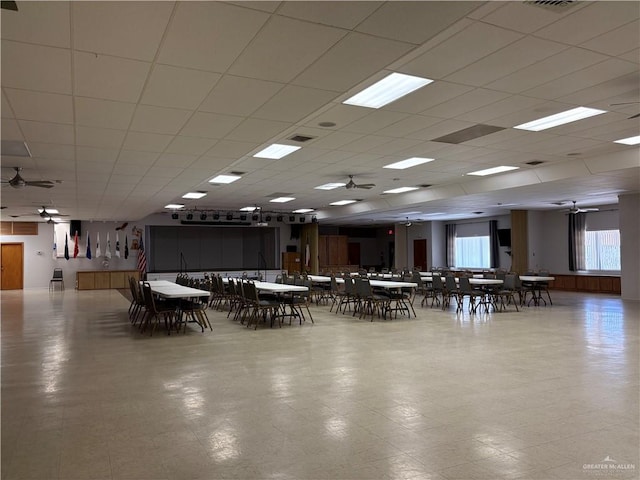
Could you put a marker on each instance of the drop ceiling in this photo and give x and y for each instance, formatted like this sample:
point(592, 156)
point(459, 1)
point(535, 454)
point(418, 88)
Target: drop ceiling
point(129, 105)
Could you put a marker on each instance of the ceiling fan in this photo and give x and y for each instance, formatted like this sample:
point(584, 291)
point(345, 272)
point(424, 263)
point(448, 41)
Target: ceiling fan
point(626, 103)
point(18, 182)
point(353, 184)
point(574, 209)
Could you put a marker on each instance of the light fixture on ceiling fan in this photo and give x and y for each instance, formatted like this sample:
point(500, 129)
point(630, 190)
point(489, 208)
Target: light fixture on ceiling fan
point(626, 103)
point(18, 182)
point(575, 209)
point(351, 184)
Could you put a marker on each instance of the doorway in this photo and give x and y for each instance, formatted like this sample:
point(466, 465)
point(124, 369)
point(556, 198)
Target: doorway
point(420, 254)
point(12, 261)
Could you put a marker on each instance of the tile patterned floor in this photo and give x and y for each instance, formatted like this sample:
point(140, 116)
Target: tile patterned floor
point(547, 393)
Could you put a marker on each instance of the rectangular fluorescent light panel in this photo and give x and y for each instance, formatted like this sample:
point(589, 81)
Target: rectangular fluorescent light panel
point(276, 151)
point(408, 163)
point(282, 199)
point(401, 190)
point(225, 179)
point(625, 141)
point(561, 118)
point(194, 195)
point(330, 186)
point(303, 210)
point(248, 209)
point(342, 202)
point(387, 90)
point(492, 171)
point(174, 206)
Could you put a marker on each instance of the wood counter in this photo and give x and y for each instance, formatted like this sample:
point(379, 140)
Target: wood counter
point(104, 279)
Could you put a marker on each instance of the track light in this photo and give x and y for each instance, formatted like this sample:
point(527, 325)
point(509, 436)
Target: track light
point(174, 216)
point(216, 216)
point(292, 218)
point(268, 218)
point(229, 216)
point(203, 216)
point(255, 217)
point(279, 218)
point(189, 216)
point(302, 219)
point(243, 217)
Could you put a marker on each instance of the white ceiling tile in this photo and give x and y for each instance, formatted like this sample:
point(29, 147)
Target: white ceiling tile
point(293, 103)
point(376, 120)
point(632, 56)
point(336, 140)
point(129, 169)
point(41, 107)
point(600, 18)
point(467, 102)
point(239, 96)
point(520, 54)
point(337, 14)
point(48, 151)
point(339, 114)
point(138, 158)
point(94, 154)
point(256, 130)
point(584, 78)
point(45, 23)
point(264, 6)
point(230, 148)
point(178, 87)
point(164, 172)
point(110, 78)
point(35, 67)
point(617, 41)
point(11, 130)
point(60, 164)
point(408, 125)
point(5, 108)
point(424, 98)
point(152, 119)
point(91, 112)
point(174, 160)
point(123, 29)
point(366, 143)
point(556, 66)
point(440, 129)
point(525, 18)
point(210, 165)
point(468, 46)
point(190, 145)
point(414, 22)
point(336, 70)
point(47, 132)
point(199, 30)
point(623, 87)
point(99, 137)
point(210, 125)
point(151, 142)
point(298, 45)
point(394, 147)
point(93, 171)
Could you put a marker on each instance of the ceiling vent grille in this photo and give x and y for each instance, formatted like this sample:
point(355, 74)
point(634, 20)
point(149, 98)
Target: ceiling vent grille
point(553, 5)
point(301, 138)
point(533, 163)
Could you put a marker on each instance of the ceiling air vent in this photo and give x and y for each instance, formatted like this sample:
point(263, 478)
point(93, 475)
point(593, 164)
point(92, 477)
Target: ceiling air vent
point(237, 173)
point(533, 163)
point(7, 5)
point(301, 138)
point(467, 134)
point(554, 5)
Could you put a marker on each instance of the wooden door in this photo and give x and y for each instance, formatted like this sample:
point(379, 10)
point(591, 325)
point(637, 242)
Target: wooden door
point(420, 254)
point(353, 249)
point(12, 261)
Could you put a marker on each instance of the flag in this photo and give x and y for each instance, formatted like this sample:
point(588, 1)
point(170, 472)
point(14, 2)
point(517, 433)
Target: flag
point(142, 259)
point(55, 245)
point(98, 246)
point(66, 246)
point(88, 246)
point(76, 247)
point(107, 252)
point(126, 246)
point(117, 245)
point(307, 255)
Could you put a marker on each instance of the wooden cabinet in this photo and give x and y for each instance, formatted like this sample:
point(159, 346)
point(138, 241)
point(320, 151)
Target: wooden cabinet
point(586, 283)
point(333, 250)
point(100, 280)
point(291, 262)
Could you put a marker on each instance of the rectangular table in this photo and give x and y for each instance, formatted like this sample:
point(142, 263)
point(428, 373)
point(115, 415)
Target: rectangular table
point(536, 282)
point(171, 290)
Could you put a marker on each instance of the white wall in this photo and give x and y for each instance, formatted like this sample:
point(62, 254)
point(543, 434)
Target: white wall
point(536, 240)
point(630, 245)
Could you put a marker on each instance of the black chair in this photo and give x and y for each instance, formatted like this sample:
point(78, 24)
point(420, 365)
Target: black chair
point(57, 278)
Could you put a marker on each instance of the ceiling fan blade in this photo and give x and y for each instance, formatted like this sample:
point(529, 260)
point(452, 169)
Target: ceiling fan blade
point(622, 103)
point(42, 184)
point(366, 186)
point(634, 116)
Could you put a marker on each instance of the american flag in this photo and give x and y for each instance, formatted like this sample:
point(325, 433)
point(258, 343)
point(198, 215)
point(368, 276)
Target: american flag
point(142, 259)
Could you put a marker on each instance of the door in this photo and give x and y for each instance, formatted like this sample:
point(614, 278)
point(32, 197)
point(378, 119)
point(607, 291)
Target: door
point(354, 253)
point(11, 259)
point(420, 254)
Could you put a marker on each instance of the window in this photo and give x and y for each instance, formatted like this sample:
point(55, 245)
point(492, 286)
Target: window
point(472, 252)
point(602, 249)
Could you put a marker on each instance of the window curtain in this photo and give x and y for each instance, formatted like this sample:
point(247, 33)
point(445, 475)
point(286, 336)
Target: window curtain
point(576, 241)
point(494, 245)
point(450, 231)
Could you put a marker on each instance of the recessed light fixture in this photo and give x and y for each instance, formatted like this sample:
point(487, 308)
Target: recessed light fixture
point(203, 216)
point(625, 141)
point(282, 199)
point(561, 118)
point(174, 206)
point(492, 171)
point(303, 210)
point(194, 195)
point(408, 163)
point(342, 202)
point(276, 151)
point(189, 216)
point(49, 210)
point(401, 190)
point(387, 90)
point(225, 179)
point(247, 209)
point(330, 186)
